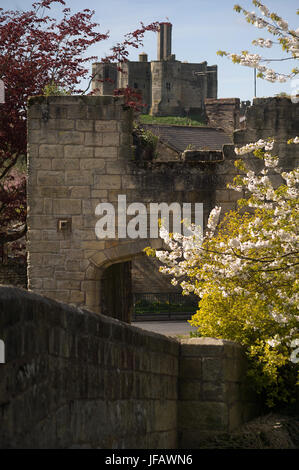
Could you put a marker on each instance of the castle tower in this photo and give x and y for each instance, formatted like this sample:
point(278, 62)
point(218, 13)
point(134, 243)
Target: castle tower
point(104, 78)
point(164, 41)
point(168, 86)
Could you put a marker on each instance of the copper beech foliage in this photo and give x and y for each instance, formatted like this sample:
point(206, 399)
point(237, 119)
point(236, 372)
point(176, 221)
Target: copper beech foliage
point(37, 50)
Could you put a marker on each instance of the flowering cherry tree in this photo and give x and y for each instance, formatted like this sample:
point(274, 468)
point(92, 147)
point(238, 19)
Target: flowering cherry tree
point(263, 252)
point(244, 269)
point(282, 35)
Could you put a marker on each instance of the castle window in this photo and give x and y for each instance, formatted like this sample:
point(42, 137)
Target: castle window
point(168, 86)
point(135, 85)
point(106, 72)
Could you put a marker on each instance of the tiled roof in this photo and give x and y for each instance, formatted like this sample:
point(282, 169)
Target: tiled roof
point(180, 137)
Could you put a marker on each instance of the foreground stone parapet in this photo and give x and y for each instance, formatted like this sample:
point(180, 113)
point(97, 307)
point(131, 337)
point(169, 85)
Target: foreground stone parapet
point(214, 395)
point(75, 379)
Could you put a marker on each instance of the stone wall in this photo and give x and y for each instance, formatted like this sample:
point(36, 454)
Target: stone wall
point(224, 113)
point(276, 118)
point(80, 154)
point(214, 395)
point(74, 379)
point(270, 117)
point(166, 88)
point(197, 83)
point(146, 277)
point(74, 143)
point(104, 78)
point(137, 75)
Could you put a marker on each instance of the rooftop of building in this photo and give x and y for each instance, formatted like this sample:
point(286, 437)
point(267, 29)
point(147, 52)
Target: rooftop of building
point(193, 137)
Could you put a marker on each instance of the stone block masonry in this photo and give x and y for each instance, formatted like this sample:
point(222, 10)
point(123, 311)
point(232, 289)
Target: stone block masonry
point(79, 155)
point(71, 143)
point(214, 394)
point(223, 113)
point(276, 117)
point(75, 379)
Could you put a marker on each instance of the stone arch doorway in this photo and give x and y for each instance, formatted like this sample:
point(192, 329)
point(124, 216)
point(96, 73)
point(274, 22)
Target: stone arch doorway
point(109, 285)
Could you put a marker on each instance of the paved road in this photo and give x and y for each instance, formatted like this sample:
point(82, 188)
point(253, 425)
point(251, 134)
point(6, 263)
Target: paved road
point(171, 328)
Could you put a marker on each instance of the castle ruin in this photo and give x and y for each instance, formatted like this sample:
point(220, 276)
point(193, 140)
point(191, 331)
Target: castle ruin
point(168, 86)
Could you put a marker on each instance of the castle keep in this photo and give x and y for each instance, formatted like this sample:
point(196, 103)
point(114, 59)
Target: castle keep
point(168, 86)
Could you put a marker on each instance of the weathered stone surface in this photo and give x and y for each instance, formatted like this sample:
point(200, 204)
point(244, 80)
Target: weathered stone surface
point(102, 182)
point(93, 139)
point(89, 380)
point(78, 177)
point(50, 151)
point(202, 347)
point(50, 178)
point(203, 416)
point(106, 152)
point(223, 113)
point(84, 125)
point(75, 376)
point(67, 164)
point(212, 397)
point(106, 126)
point(92, 164)
point(67, 206)
point(77, 151)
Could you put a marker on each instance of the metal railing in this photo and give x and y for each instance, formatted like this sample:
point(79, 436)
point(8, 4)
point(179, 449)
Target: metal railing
point(158, 306)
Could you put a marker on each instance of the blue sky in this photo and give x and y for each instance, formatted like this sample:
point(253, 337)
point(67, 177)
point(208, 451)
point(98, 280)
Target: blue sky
point(200, 28)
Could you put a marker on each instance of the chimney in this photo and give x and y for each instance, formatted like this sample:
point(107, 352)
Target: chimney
point(143, 57)
point(164, 41)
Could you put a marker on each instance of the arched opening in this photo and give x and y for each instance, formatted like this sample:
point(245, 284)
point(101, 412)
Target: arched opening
point(116, 291)
point(154, 297)
point(130, 287)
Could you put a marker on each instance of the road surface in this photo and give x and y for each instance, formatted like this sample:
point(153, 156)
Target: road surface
point(168, 328)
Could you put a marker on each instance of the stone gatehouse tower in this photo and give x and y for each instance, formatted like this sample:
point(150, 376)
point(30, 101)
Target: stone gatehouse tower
point(80, 154)
point(168, 86)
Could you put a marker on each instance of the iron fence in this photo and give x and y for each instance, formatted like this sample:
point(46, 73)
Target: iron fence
point(157, 306)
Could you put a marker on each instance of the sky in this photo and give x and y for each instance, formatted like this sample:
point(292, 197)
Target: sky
point(200, 29)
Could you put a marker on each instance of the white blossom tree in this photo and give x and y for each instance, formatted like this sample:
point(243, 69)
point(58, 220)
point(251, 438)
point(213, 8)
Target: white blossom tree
point(282, 35)
point(245, 269)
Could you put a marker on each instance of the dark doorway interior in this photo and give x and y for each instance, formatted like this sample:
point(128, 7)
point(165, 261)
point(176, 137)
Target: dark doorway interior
point(116, 291)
